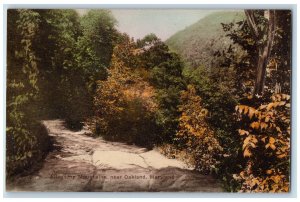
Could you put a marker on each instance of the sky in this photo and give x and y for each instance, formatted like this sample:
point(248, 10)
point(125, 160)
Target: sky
point(162, 22)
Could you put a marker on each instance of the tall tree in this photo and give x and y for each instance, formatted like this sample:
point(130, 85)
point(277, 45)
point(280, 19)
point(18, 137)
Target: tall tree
point(124, 102)
point(165, 74)
point(96, 44)
point(263, 41)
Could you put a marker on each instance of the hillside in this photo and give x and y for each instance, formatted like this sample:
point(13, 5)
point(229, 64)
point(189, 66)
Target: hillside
point(197, 43)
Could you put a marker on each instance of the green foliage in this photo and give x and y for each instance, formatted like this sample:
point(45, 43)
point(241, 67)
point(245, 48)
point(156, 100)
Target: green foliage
point(67, 75)
point(168, 80)
point(198, 43)
point(50, 80)
point(212, 57)
point(153, 51)
point(26, 139)
point(95, 46)
point(278, 67)
point(58, 31)
point(229, 80)
point(165, 75)
point(216, 87)
point(245, 66)
point(91, 55)
point(137, 92)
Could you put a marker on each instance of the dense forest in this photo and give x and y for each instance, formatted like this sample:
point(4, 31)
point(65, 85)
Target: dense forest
point(218, 99)
point(198, 43)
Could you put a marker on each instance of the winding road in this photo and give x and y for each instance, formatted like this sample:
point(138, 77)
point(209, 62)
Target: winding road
point(80, 163)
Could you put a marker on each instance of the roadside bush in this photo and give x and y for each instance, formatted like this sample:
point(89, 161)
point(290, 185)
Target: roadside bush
point(195, 134)
point(25, 146)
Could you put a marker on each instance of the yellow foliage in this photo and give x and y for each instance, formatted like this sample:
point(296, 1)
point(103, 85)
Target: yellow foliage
point(196, 133)
point(267, 135)
point(247, 153)
point(273, 181)
point(123, 103)
point(243, 132)
point(269, 172)
point(254, 125)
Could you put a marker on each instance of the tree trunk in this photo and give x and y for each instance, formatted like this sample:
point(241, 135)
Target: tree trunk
point(264, 50)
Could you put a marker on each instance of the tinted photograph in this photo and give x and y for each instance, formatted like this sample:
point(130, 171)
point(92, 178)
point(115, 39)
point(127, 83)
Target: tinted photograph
point(148, 100)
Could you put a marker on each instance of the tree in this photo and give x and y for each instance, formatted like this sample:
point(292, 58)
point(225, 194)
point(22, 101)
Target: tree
point(46, 76)
point(219, 95)
point(58, 31)
point(265, 38)
point(153, 51)
point(279, 67)
point(165, 75)
point(263, 41)
point(96, 44)
point(124, 103)
point(168, 80)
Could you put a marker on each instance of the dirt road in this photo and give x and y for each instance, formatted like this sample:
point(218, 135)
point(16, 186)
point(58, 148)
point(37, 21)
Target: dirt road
point(81, 163)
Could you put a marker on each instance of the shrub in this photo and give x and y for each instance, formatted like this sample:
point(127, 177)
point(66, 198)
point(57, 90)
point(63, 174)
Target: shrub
point(195, 134)
point(266, 144)
point(25, 146)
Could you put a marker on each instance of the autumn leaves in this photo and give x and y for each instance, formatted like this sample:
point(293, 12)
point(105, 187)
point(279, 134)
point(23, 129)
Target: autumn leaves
point(266, 144)
point(195, 132)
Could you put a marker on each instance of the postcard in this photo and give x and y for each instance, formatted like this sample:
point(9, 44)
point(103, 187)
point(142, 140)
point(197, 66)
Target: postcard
point(148, 100)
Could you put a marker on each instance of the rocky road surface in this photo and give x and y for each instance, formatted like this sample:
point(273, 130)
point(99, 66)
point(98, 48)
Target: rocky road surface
point(80, 163)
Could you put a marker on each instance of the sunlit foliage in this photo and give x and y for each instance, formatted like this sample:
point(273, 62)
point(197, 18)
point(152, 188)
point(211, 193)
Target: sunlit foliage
point(195, 133)
point(124, 105)
point(266, 145)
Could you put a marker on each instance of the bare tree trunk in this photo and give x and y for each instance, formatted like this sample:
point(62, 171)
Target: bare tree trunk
point(264, 50)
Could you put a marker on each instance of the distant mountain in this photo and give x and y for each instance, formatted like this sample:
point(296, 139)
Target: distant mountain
point(198, 42)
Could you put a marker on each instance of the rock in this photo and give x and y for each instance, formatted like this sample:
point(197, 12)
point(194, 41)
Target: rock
point(84, 163)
